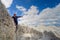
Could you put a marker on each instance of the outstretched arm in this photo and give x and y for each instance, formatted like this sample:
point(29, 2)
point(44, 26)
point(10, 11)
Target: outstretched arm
point(19, 16)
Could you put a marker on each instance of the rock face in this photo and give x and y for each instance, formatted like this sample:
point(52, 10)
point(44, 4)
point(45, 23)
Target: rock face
point(7, 28)
point(28, 33)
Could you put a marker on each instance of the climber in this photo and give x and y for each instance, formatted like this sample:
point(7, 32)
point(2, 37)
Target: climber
point(15, 20)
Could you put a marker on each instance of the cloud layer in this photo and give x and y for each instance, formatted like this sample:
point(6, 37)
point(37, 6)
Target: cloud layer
point(7, 3)
point(30, 15)
point(48, 17)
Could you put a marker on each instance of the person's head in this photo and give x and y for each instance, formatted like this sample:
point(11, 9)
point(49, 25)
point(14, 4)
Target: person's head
point(14, 14)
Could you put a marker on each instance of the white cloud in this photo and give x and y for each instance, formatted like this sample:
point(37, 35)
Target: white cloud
point(48, 14)
point(44, 18)
point(21, 8)
point(30, 15)
point(32, 11)
point(7, 3)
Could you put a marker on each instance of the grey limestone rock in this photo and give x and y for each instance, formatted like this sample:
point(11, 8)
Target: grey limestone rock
point(7, 27)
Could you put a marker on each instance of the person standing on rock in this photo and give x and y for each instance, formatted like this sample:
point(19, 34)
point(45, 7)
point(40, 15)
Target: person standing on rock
point(15, 20)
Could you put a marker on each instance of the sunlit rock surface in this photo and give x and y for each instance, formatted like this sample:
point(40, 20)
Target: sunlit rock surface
point(52, 32)
point(37, 33)
point(27, 33)
point(7, 28)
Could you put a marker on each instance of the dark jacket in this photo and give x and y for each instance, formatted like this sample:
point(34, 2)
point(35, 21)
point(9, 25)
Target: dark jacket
point(15, 19)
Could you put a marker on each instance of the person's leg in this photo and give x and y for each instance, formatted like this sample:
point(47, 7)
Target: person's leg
point(16, 27)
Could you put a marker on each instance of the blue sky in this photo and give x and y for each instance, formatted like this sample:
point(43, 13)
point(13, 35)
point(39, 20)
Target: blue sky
point(41, 4)
point(35, 12)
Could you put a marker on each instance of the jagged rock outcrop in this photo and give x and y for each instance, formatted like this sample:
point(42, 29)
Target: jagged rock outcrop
point(7, 28)
point(33, 33)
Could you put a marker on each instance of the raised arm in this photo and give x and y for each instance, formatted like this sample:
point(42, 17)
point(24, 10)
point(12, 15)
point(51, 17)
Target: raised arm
point(19, 16)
